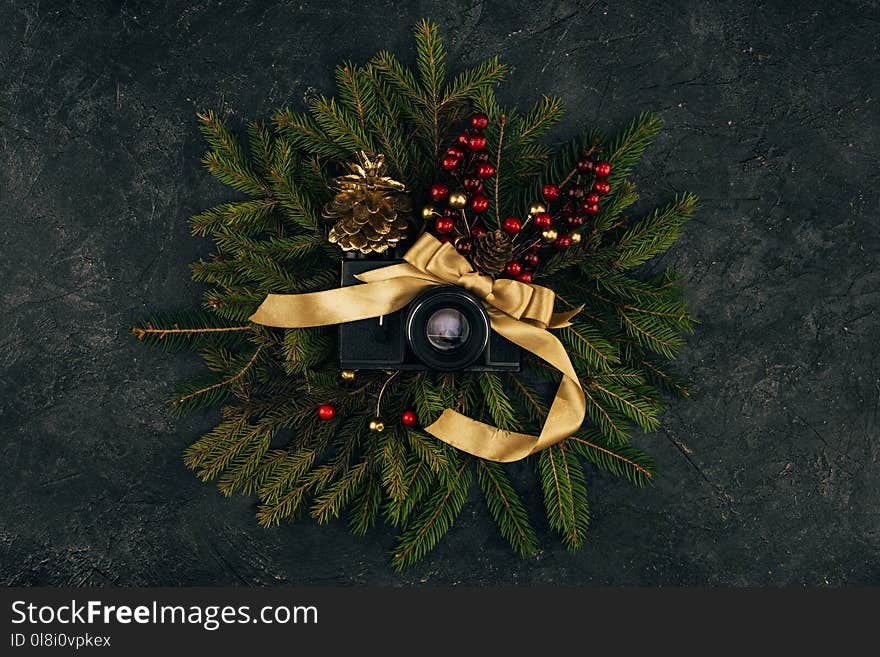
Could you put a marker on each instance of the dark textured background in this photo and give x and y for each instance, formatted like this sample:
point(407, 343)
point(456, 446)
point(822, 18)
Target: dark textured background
point(769, 476)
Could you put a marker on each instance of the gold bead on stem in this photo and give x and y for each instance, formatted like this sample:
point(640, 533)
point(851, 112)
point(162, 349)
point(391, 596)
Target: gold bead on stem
point(537, 208)
point(457, 200)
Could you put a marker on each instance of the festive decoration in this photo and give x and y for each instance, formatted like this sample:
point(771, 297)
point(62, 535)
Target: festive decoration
point(408, 444)
point(550, 193)
point(370, 207)
point(458, 200)
point(538, 208)
point(512, 225)
point(543, 220)
point(493, 251)
point(513, 268)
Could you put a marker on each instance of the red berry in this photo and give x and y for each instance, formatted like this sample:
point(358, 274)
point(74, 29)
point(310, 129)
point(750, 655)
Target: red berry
point(485, 170)
point(439, 191)
point(479, 203)
point(479, 121)
point(585, 164)
point(409, 418)
point(591, 209)
point(513, 268)
point(525, 277)
point(456, 151)
point(482, 156)
point(464, 246)
point(601, 187)
point(574, 220)
point(512, 225)
point(563, 242)
point(463, 139)
point(530, 260)
point(543, 220)
point(550, 192)
point(592, 198)
point(476, 142)
point(471, 184)
point(450, 162)
point(477, 231)
point(444, 225)
point(326, 412)
point(602, 169)
point(575, 191)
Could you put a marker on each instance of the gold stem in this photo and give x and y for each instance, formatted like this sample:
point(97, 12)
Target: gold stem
point(232, 379)
point(568, 177)
point(141, 332)
point(382, 392)
point(498, 170)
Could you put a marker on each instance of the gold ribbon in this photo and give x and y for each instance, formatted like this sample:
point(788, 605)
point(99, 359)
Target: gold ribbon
point(521, 312)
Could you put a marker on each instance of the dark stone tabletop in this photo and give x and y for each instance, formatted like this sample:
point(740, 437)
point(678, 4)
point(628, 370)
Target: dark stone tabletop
point(769, 475)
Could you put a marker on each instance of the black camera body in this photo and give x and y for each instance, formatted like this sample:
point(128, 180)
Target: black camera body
point(445, 329)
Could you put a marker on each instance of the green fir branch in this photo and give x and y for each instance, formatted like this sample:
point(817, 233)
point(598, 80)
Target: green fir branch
point(565, 494)
point(654, 234)
point(227, 160)
point(497, 402)
point(188, 330)
point(506, 508)
point(620, 460)
point(424, 531)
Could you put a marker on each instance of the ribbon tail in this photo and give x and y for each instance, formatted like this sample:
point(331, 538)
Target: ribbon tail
point(564, 418)
point(481, 439)
point(561, 320)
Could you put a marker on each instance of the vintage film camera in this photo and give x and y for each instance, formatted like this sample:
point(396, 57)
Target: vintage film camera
point(445, 329)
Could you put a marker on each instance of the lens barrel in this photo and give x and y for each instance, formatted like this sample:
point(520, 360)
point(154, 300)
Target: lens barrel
point(447, 328)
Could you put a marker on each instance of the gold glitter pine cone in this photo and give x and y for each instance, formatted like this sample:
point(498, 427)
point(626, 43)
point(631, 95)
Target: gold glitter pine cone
point(492, 252)
point(370, 208)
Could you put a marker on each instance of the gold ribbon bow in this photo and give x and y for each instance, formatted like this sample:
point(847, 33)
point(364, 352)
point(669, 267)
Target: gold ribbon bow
point(520, 312)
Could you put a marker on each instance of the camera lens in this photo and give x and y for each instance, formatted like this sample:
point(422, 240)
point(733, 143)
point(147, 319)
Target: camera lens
point(447, 329)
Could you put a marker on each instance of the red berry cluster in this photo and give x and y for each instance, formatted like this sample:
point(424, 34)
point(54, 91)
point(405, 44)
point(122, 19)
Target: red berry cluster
point(467, 165)
point(555, 224)
point(575, 203)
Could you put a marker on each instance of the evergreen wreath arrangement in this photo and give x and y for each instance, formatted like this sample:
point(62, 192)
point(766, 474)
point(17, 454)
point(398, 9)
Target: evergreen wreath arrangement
point(432, 174)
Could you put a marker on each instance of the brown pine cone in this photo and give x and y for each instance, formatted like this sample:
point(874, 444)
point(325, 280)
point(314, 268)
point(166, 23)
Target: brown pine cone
point(492, 252)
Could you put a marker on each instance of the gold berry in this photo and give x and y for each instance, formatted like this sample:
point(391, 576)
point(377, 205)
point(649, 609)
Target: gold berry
point(537, 208)
point(457, 200)
point(428, 211)
point(550, 235)
point(346, 375)
point(575, 238)
point(377, 425)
